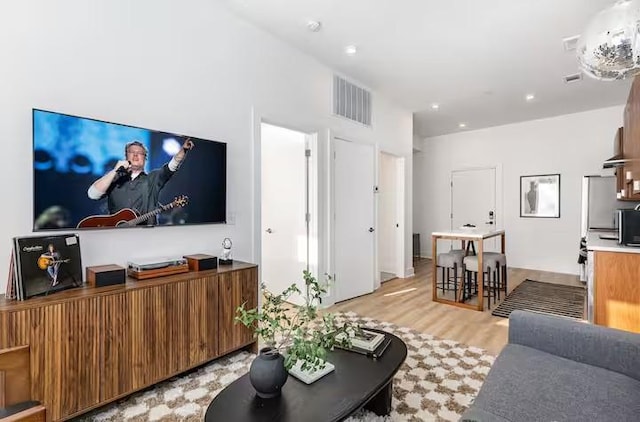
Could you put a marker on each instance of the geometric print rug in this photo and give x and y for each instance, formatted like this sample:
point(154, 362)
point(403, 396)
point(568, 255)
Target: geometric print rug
point(437, 382)
point(547, 298)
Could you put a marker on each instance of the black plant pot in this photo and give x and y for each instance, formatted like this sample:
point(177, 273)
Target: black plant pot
point(267, 373)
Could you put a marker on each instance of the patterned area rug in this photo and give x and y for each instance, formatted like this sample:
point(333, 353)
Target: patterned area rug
point(437, 382)
point(546, 298)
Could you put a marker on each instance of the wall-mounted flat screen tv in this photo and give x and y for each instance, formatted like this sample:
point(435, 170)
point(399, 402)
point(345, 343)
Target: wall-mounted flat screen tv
point(91, 174)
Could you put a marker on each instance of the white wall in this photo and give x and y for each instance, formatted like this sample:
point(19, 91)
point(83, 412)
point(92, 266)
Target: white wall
point(187, 67)
point(573, 145)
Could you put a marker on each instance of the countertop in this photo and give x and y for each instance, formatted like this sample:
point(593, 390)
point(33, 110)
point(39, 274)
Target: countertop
point(594, 243)
point(470, 233)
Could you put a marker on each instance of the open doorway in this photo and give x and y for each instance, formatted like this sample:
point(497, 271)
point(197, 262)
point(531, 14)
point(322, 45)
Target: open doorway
point(390, 216)
point(288, 210)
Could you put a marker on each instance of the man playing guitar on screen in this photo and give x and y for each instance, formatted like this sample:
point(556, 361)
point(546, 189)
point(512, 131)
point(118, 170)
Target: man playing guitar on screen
point(50, 261)
point(128, 186)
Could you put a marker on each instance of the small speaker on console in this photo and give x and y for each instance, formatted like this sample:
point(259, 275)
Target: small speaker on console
point(201, 262)
point(106, 275)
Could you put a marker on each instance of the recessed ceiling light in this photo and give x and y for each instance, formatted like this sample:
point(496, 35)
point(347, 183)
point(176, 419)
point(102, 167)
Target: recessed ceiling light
point(435, 106)
point(530, 97)
point(350, 50)
point(314, 26)
point(462, 125)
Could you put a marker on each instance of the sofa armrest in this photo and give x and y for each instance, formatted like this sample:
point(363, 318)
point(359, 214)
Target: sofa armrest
point(595, 345)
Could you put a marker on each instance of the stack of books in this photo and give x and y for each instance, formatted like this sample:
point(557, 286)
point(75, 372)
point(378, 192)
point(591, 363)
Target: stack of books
point(370, 343)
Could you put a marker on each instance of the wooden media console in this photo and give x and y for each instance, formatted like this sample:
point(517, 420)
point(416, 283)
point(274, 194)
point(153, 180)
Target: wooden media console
point(90, 346)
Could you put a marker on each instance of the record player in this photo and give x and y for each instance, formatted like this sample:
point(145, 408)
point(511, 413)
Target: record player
point(157, 267)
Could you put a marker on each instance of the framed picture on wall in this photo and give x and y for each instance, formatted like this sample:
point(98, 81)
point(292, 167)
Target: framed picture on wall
point(540, 196)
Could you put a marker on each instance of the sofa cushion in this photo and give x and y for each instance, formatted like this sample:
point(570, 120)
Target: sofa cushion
point(525, 384)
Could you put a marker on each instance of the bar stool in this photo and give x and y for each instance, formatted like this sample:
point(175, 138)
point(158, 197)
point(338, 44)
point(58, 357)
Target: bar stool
point(470, 266)
point(501, 269)
point(448, 261)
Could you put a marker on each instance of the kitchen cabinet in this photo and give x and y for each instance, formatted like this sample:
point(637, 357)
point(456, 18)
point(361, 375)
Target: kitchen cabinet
point(613, 290)
point(630, 171)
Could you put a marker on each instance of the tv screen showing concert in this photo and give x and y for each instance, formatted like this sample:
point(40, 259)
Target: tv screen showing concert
point(92, 174)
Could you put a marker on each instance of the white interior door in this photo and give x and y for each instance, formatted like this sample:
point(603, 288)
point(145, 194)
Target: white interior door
point(354, 222)
point(284, 208)
point(473, 200)
point(388, 218)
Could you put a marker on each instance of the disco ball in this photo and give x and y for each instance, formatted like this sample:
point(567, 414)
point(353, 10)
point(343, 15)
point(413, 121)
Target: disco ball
point(609, 48)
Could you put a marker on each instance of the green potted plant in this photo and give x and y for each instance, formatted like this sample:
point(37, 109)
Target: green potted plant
point(294, 334)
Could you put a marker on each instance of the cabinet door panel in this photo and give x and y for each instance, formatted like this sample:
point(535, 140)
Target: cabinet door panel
point(236, 288)
point(64, 353)
point(202, 320)
point(116, 355)
point(148, 322)
point(617, 291)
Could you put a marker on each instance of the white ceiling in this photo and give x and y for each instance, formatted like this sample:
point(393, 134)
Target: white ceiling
point(476, 58)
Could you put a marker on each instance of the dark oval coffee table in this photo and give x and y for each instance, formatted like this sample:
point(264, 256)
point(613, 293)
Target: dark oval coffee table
point(358, 381)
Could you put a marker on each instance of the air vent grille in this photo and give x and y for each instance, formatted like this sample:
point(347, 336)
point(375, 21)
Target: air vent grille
point(570, 43)
point(573, 78)
point(351, 101)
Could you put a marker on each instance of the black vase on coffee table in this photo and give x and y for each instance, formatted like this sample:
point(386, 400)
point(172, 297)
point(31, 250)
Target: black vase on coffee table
point(267, 373)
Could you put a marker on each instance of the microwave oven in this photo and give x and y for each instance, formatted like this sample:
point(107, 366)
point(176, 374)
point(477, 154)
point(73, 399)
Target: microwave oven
point(629, 227)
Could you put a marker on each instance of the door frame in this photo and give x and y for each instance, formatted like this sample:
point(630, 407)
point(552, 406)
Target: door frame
point(400, 214)
point(498, 189)
point(316, 265)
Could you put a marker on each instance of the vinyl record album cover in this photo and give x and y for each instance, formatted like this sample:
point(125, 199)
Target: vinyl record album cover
point(47, 264)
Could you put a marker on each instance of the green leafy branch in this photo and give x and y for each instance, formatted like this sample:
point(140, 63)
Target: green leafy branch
point(296, 331)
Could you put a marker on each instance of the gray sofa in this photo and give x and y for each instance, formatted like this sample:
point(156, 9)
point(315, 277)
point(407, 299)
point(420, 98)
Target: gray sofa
point(557, 369)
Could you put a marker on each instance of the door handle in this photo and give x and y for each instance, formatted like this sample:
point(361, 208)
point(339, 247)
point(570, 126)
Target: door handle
point(371, 229)
point(489, 222)
point(269, 230)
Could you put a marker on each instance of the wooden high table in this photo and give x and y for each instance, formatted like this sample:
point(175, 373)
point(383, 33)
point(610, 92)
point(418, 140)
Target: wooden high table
point(465, 235)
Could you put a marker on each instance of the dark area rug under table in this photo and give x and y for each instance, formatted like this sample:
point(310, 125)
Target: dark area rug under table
point(547, 298)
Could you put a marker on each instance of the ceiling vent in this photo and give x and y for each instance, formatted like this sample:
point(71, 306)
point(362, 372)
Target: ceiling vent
point(351, 101)
point(576, 77)
point(571, 43)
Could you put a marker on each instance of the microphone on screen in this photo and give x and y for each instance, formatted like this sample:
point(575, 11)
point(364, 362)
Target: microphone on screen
point(121, 171)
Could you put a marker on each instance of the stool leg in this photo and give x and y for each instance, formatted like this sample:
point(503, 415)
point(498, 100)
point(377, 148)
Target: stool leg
point(475, 282)
point(442, 280)
point(488, 289)
point(496, 274)
point(448, 278)
point(496, 286)
point(505, 272)
point(455, 281)
point(467, 284)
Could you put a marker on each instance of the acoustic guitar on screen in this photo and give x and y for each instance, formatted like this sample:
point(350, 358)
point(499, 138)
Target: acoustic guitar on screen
point(127, 217)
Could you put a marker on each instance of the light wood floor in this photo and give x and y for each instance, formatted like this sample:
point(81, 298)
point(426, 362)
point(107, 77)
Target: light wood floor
point(416, 310)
